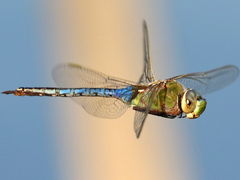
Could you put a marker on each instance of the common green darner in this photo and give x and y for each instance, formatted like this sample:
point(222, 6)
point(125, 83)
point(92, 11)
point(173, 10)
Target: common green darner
point(109, 97)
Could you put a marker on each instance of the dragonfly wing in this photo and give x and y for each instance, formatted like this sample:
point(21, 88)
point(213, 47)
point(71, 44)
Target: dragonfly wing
point(209, 81)
point(139, 120)
point(147, 101)
point(76, 76)
point(147, 75)
point(102, 107)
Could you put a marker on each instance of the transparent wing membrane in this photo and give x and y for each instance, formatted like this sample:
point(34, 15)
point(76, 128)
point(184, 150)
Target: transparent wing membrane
point(147, 75)
point(209, 81)
point(102, 107)
point(139, 120)
point(76, 76)
point(145, 102)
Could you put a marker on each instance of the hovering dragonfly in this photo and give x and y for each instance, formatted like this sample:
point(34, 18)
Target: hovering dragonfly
point(109, 97)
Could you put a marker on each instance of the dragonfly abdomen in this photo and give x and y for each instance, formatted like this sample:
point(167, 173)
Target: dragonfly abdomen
point(125, 94)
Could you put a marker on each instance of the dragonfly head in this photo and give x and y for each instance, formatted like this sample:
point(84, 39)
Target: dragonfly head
point(192, 104)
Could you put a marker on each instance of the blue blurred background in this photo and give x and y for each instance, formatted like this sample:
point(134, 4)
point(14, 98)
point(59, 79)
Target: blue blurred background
point(205, 35)
point(26, 139)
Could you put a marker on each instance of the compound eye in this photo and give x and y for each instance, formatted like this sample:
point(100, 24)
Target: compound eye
point(189, 101)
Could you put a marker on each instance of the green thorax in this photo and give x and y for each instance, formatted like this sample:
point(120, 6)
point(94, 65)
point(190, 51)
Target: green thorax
point(162, 98)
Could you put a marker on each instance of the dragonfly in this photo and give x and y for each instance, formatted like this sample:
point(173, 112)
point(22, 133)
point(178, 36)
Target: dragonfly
point(109, 97)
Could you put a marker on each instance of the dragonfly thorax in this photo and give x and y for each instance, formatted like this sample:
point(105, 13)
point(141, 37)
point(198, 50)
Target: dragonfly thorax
point(162, 99)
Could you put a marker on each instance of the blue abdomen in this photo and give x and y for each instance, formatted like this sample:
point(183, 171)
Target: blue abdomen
point(125, 94)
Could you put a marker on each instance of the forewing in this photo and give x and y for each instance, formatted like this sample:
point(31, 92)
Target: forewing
point(147, 75)
point(139, 120)
point(210, 81)
point(140, 116)
point(76, 76)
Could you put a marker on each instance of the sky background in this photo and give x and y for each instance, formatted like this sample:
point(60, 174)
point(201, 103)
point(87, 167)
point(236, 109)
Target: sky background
point(207, 36)
point(43, 138)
